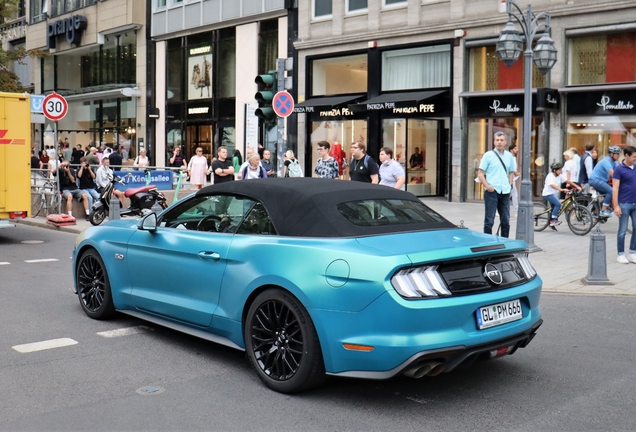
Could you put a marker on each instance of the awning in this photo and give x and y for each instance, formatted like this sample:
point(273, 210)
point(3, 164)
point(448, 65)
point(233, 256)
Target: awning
point(389, 100)
point(326, 102)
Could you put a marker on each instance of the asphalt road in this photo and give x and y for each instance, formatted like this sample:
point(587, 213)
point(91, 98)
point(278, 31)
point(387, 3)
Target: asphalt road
point(577, 375)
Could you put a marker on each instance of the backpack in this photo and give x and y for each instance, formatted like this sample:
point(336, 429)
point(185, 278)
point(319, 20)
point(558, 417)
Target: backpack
point(294, 169)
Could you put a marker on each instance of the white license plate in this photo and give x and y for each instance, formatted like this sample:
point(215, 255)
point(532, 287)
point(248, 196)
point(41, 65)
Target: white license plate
point(497, 314)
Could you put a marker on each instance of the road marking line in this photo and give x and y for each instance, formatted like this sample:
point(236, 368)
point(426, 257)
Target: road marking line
point(44, 345)
point(124, 331)
point(41, 260)
point(5, 263)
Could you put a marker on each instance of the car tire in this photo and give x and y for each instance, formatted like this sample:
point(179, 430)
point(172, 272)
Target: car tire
point(93, 286)
point(282, 344)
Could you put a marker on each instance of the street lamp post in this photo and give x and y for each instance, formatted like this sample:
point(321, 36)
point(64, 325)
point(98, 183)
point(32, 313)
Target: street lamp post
point(509, 47)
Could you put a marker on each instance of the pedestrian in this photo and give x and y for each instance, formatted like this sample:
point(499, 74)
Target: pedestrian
point(102, 178)
point(77, 154)
point(44, 159)
point(362, 167)
point(92, 158)
point(496, 171)
point(416, 160)
point(36, 163)
point(291, 166)
point(266, 163)
point(576, 157)
point(624, 202)
point(601, 174)
point(253, 170)
point(586, 166)
point(391, 171)
point(237, 160)
point(222, 167)
point(142, 160)
point(514, 191)
point(326, 166)
point(86, 177)
point(570, 169)
point(555, 183)
point(177, 160)
point(115, 157)
point(249, 151)
point(198, 169)
point(67, 152)
point(69, 188)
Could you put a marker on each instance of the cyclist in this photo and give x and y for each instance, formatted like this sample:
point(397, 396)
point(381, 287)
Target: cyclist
point(551, 190)
point(602, 172)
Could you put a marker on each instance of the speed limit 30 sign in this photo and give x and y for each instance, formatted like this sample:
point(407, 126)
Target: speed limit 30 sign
point(55, 107)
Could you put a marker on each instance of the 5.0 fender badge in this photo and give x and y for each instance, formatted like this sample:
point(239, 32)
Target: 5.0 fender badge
point(493, 274)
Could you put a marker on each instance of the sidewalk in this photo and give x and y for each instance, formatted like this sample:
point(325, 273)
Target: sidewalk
point(561, 263)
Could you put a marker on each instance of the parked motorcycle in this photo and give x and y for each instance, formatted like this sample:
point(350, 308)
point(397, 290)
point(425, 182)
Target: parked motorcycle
point(141, 201)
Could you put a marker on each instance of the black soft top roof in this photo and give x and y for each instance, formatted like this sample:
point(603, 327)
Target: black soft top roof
point(307, 207)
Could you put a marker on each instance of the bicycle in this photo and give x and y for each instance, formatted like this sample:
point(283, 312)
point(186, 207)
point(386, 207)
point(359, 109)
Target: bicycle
point(595, 205)
point(47, 199)
point(579, 217)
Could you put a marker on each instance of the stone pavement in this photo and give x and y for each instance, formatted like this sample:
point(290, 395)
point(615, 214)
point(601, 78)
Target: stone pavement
point(562, 261)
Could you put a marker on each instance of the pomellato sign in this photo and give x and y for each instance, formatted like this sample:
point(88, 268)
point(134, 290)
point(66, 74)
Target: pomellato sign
point(615, 102)
point(497, 107)
point(72, 27)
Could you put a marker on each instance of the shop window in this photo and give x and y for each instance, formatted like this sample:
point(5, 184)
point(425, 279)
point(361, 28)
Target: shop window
point(357, 5)
point(602, 131)
point(602, 59)
point(200, 73)
point(322, 8)
point(339, 75)
point(414, 68)
point(487, 72)
point(339, 134)
point(48, 73)
point(114, 62)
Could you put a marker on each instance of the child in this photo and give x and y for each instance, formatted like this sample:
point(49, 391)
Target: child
point(551, 190)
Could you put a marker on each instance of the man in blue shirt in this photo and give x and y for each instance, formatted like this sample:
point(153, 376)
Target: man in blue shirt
point(496, 171)
point(602, 172)
point(624, 202)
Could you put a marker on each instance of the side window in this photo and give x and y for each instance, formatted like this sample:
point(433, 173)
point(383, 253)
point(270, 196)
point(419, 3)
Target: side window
point(257, 221)
point(216, 213)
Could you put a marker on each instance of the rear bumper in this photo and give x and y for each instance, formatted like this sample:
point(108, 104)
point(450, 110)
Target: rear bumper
point(450, 357)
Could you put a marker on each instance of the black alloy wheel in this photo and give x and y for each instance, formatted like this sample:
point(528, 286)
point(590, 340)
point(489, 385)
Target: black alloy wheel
point(97, 216)
point(93, 286)
point(282, 344)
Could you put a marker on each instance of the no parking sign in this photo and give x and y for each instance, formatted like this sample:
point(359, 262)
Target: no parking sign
point(283, 104)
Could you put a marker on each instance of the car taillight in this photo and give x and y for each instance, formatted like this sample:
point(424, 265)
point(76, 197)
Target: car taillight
point(528, 270)
point(420, 282)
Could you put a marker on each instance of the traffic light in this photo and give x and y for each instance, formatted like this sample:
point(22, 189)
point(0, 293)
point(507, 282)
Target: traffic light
point(267, 86)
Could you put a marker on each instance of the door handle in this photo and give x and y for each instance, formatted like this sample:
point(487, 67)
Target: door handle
point(210, 255)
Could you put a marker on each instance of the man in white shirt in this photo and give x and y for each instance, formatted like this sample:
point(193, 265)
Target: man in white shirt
point(102, 179)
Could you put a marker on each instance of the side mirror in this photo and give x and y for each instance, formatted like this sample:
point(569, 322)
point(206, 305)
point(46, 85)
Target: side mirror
point(148, 223)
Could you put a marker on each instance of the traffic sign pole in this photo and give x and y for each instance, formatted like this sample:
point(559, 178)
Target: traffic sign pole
point(55, 107)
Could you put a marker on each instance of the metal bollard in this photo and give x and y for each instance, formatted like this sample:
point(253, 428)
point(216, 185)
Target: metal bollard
point(597, 264)
point(113, 212)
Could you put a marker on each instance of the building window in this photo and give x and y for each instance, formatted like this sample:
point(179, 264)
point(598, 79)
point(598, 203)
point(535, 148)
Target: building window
point(356, 5)
point(160, 3)
point(267, 46)
point(174, 71)
point(226, 64)
point(413, 68)
point(322, 8)
point(602, 58)
point(60, 7)
point(395, 2)
point(487, 72)
point(39, 10)
point(339, 75)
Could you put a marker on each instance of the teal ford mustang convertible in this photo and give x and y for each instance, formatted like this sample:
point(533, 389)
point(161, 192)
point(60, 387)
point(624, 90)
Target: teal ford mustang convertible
point(315, 277)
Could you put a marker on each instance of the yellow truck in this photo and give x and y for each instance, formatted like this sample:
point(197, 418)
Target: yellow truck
point(15, 157)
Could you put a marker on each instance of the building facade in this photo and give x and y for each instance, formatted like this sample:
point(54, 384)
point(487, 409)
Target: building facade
point(423, 74)
point(97, 60)
point(207, 54)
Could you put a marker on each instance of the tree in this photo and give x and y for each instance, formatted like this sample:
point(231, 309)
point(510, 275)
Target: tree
point(9, 81)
